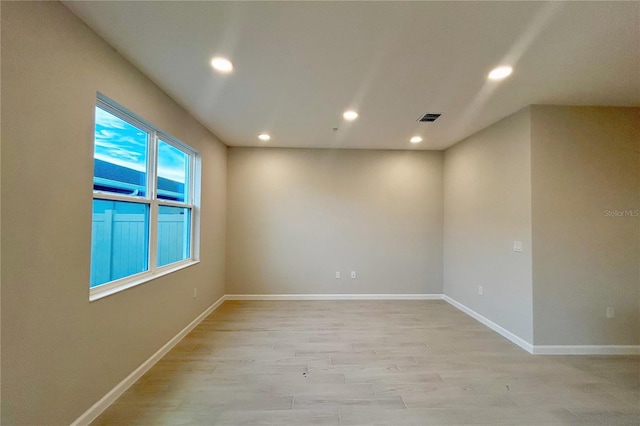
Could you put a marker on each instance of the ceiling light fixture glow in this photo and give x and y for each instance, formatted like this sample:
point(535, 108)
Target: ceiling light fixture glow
point(264, 137)
point(415, 139)
point(350, 115)
point(222, 64)
point(500, 73)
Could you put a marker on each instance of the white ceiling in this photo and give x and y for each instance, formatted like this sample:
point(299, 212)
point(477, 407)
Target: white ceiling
point(299, 65)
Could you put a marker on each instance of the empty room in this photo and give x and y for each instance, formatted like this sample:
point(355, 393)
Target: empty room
point(331, 213)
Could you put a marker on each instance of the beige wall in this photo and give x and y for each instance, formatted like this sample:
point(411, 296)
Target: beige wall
point(586, 160)
point(296, 216)
point(487, 205)
point(61, 353)
point(548, 176)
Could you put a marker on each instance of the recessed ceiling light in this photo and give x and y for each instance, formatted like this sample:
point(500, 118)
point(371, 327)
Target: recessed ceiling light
point(264, 137)
point(415, 139)
point(222, 64)
point(500, 73)
point(350, 115)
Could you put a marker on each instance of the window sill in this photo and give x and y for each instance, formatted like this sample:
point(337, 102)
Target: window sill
point(117, 286)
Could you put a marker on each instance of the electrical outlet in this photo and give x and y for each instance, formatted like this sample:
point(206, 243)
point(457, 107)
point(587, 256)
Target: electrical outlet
point(338, 275)
point(353, 275)
point(195, 292)
point(611, 312)
point(480, 290)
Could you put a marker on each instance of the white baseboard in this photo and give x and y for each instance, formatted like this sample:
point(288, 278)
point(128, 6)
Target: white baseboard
point(334, 297)
point(586, 349)
point(492, 325)
point(96, 409)
point(547, 349)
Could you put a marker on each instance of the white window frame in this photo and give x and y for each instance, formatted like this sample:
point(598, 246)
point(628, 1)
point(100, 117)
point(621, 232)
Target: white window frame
point(193, 202)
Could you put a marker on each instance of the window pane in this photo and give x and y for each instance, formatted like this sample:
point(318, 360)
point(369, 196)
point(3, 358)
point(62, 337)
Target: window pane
point(174, 234)
point(120, 156)
point(173, 173)
point(119, 240)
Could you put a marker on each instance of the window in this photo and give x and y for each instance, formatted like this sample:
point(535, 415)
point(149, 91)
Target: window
point(144, 201)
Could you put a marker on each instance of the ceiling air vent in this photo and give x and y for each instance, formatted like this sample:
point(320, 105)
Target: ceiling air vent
point(429, 118)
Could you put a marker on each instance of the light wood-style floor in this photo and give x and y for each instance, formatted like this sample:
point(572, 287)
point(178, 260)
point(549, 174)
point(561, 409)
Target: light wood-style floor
point(366, 363)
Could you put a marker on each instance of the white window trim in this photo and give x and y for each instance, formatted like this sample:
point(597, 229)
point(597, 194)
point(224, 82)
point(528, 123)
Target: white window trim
point(153, 271)
point(117, 286)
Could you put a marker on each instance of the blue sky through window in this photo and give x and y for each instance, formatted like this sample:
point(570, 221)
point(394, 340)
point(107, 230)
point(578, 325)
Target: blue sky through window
point(172, 163)
point(123, 144)
point(118, 142)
